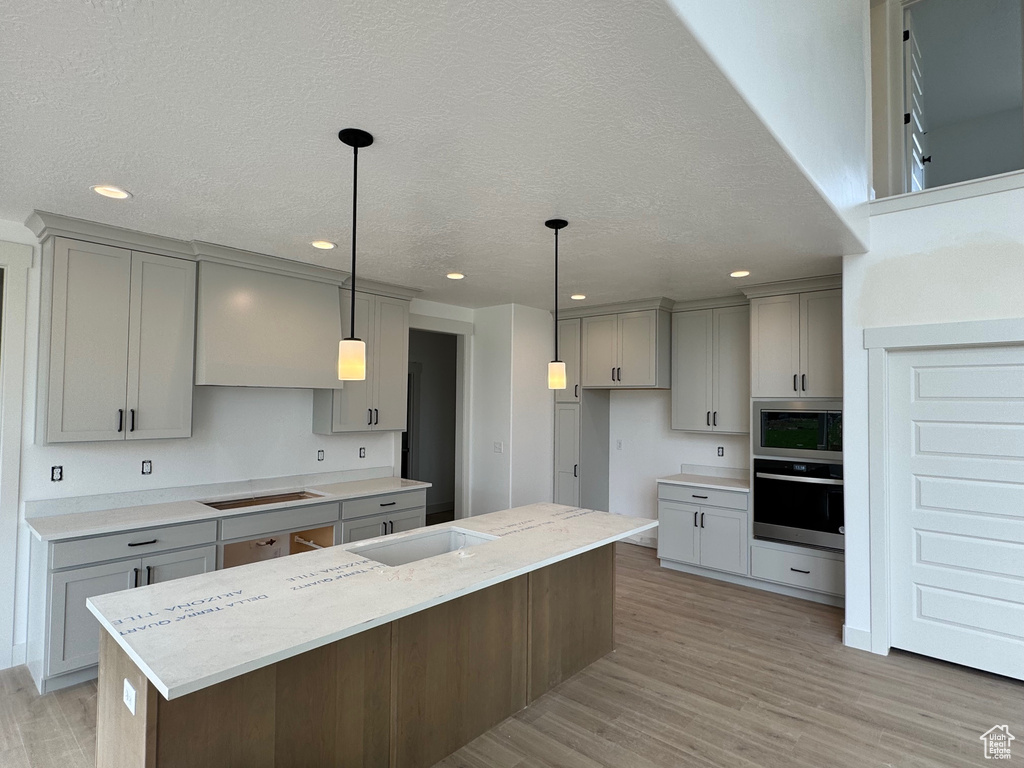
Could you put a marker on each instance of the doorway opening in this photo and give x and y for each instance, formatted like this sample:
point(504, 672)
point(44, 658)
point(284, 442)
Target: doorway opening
point(429, 444)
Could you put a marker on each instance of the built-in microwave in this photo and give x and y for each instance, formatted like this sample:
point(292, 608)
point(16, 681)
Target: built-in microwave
point(799, 429)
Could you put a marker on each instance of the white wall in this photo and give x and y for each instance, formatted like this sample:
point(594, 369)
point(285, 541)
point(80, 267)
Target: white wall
point(434, 431)
point(651, 449)
point(973, 149)
point(491, 410)
point(533, 435)
point(802, 66)
point(951, 262)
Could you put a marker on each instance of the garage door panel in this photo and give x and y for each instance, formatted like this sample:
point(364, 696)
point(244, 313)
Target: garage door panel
point(1004, 441)
point(978, 383)
point(1002, 558)
point(971, 612)
point(970, 495)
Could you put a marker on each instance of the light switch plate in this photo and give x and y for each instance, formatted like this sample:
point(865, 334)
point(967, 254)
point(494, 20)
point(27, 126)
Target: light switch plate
point(362, 453)
point(57, 473)
point(721, 450)
point(320, 455)
point(129, 696)
point(147, 467)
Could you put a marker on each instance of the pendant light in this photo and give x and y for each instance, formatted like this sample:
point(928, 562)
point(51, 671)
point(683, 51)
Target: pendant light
point(556, 368)
point(351, 350)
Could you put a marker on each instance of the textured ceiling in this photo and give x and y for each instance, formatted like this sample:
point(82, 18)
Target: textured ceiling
point(490, 116)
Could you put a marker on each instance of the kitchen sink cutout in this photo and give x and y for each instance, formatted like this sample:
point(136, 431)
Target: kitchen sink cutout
point(420, 546)
point(255, 501)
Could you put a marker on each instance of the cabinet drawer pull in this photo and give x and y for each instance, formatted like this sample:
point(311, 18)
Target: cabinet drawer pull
point(149, 574)
point(120, 419)
point(132, 427)
point(388, 503)
point(695, 519)
point(797, 570)
point(701, 519)
point(141, 543)
point(135, 577)
point(695, 496)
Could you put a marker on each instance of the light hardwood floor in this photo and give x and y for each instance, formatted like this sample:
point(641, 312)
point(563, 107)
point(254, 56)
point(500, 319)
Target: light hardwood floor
point(704, 674)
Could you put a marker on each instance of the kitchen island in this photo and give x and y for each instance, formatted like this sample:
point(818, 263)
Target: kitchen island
point(335, 657)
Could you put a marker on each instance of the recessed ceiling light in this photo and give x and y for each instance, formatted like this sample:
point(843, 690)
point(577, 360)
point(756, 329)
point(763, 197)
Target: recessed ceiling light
point(578, 297)
point(324, 245)
point(455, 275)
point(108, 190)
point(739, 273)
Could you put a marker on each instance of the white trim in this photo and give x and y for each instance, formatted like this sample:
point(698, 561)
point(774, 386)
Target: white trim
point(440, 325)
point(962, 190)
point(45, 225)
point(235, 257)
point(973, 332)
point(803, 285)
point(747, 581)
point(856, 638)
point(639, 305)
point(15, 260)
point(739, 300)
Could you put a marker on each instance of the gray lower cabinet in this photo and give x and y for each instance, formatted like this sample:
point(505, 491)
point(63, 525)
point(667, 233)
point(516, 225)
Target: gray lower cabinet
point(702, 533)
point(74, 632)
point(382, 524)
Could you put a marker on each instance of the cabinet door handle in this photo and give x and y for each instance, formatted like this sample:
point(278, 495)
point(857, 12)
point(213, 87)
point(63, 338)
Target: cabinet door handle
point(120, 419)
point(369, 416)
point(695, 496)
point(391, 526)
point(388, 503)
point(384, 528)
point(613, 373)
point(376, 416)
point(714, 419)
point(695, 519)
point(141, 543)
point(132, 427)
point(618, 374)
point(794, 383)
point(575, 470)
point(701, 519)
point(797, 570)
point(803, 381)
point(709, 419)
point(135, 577)
point(149, 574)
point(577, 391)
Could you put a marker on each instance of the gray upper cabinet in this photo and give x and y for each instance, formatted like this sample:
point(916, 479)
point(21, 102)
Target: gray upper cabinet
point(627, 350)
point(380, 401)
point(797, 345)
point(711, 370)
point(567, 454)
point(569, 352)
point(122, 330)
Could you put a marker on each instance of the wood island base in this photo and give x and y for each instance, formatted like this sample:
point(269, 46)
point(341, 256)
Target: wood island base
point(404, 694)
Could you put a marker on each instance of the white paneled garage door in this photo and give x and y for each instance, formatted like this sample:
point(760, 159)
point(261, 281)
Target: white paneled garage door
point(956, 505)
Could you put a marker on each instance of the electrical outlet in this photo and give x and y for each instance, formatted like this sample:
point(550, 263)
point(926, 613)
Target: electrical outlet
point(618, 445)
point(129, 696)
point(721, 450)
point(320, 455)
point(362, 453)
point(147, 467)
point(57, 473)
point(498, 447)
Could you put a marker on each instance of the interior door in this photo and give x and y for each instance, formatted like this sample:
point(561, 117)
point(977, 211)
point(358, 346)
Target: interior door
point(599, 351)
point(730, 410)
point(821, 344)
point(775, 346)
point(569, 351)
point(177, 565)
point(723, 539)
point(692, 370)
point(679, 532)
point(914, 122)
point(391, 363)
point(88, 342)
point(74, 640)
point(956, 505)
point(352, 404)
point(567, 454)
point(161, 342)
point(638, 349)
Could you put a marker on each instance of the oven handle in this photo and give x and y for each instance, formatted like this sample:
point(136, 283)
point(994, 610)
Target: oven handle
point(791, 478)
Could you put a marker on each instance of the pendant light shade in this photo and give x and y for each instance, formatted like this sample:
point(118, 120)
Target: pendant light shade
point(352, 350)
point(556, 368)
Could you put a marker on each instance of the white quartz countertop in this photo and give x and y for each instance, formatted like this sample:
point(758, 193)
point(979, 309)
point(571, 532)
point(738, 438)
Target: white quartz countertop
point(708, 481)
point(55, 527)
point(195, 632)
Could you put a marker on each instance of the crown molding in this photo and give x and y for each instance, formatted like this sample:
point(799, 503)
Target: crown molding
point(714, 303)
point(639, 305)
point(236, 257)
point(46, 225)
point(826, 283)
point(383, 289)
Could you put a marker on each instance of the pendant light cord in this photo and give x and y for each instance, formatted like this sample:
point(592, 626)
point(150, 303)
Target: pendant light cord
point(556, 296)
point(355, 192)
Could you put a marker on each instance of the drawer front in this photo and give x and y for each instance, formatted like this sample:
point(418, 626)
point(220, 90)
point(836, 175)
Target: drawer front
point(293, 518)
point(706, 497)
point(391, 502)
point(820, 574)
point(97, 549)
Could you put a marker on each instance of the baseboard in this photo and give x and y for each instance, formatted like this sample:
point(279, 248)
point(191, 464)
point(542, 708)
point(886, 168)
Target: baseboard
point(747, 581)
point(856, 638)
point(19, 654)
